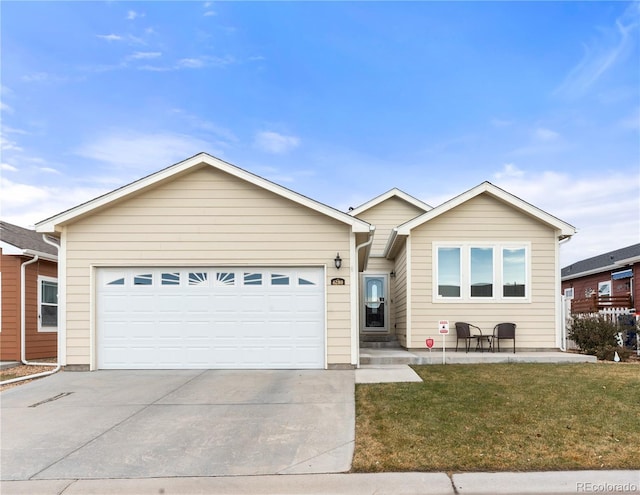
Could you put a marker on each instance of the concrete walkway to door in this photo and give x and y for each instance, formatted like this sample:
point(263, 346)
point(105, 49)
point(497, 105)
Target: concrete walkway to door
point(187, 423)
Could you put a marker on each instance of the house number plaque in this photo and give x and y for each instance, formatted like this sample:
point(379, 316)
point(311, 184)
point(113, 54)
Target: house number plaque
point(337, 281)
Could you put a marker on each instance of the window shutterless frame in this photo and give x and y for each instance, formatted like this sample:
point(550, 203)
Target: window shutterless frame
point(47, 304)
point(481, 272)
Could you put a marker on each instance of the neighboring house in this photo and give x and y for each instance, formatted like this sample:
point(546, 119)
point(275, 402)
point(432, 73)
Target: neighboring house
point(609, 279)
point(28, 265)
point(205, 265)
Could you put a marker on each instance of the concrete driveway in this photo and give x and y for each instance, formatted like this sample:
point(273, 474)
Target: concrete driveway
point(147, 424)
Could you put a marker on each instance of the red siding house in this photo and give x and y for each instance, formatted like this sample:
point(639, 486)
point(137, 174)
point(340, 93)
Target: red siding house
point(29, 267)
point(607, 280)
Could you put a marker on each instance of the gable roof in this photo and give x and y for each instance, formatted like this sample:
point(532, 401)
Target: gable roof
point(603, 262)
point(53, 224)
point(564, 229)
point(395, 192)
point(16, 240)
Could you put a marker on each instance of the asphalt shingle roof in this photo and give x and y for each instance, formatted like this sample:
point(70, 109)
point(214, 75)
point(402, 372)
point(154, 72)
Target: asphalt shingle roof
point(601, 261)
point(24, 238)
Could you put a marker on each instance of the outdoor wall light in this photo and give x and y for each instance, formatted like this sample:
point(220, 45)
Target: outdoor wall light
point(338, 261)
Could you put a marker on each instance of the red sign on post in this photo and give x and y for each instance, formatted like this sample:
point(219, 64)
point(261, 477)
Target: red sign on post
point(430, 343)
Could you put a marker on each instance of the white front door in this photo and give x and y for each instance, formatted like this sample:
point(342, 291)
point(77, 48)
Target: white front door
point(375, 306)
point(209, 317)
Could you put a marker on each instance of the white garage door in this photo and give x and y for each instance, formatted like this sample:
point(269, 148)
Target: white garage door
point(245, 318)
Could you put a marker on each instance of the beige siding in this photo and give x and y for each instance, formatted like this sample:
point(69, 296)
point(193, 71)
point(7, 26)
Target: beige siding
point(208, 218)
point(400, 295)
point(485, 219)
point(385, 216)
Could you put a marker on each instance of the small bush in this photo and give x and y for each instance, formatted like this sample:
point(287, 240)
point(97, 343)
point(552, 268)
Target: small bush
point(597, 336)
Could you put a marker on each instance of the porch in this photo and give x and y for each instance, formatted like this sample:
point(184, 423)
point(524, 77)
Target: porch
point(371, 357)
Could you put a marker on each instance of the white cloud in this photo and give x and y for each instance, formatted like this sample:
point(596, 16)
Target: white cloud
point(501, 122)
point(191, 63)
point(7, 167)
point(209, 13)
point(25, 204)
point(541, 140)
point(5, 107)
point(144, 55)
point(223, 135)
point(132, 15)
point(612, 46)
point(9, 145)
point(49, 170)
point(273, 142)
point(604, 207)
point(509, 170)
point(117, 37)
point(144, 152)
point(110, 37)
point(202, 62)
point(545, 135)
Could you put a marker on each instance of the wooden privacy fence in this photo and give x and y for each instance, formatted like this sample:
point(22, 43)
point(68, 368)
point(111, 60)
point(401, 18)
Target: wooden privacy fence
point(598, 304)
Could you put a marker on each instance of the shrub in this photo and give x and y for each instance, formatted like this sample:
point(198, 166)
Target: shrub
point(596, 336)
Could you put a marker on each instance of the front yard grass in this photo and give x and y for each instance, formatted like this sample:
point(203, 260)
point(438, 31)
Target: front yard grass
point(502, 417)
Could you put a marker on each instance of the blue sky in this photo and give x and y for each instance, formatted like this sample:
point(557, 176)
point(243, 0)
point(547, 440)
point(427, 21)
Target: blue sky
point(339, 101)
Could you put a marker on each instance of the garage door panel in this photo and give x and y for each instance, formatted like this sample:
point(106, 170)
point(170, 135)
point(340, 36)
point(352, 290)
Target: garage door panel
point(210, 318)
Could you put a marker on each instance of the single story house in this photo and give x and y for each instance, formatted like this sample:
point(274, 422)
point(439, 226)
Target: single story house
point(205, 265)
point(609, 279)
point(28, 294)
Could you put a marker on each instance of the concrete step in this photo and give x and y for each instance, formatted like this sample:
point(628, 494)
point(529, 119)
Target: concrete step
point(382, 357)
point(379, 341)
point(388, 356)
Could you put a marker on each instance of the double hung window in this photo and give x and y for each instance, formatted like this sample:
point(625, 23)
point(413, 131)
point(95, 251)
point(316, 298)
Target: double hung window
point(48, 304)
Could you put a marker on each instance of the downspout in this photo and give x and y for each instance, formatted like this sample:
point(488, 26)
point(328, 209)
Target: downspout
point(23, 330)
point(563, 304)
point(358, 248)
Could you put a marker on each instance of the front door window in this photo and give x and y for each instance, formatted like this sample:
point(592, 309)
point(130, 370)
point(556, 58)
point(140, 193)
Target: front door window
point(375, 304)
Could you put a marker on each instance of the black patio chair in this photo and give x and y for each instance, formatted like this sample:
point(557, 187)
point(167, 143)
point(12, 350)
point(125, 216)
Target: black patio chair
point(463, 331)
point(503, 331)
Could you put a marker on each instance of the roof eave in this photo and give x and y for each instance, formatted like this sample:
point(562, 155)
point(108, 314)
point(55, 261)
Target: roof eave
point(387, 195)
point(564, 229)
point(54, 224)
point(616, 265)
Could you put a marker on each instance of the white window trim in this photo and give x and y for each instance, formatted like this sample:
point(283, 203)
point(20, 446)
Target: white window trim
point(568, 293)
point(605, 284)
point(465, 272)
point(42, 329)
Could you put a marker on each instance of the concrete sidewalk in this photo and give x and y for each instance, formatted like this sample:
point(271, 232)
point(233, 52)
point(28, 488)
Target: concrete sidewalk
point(601, 482)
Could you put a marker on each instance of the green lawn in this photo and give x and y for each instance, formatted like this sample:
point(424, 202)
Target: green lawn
point(502, 417)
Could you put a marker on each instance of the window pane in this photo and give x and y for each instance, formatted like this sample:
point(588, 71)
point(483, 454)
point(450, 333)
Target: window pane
point(198, 278)
point(514, 272)
point(49, 316)
point(225, 278)
point(253, 279)
point(481, 272)
point(49, 292)
point(279, 279)
point(144, 279)
point(449, 272)
point(170, 278)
